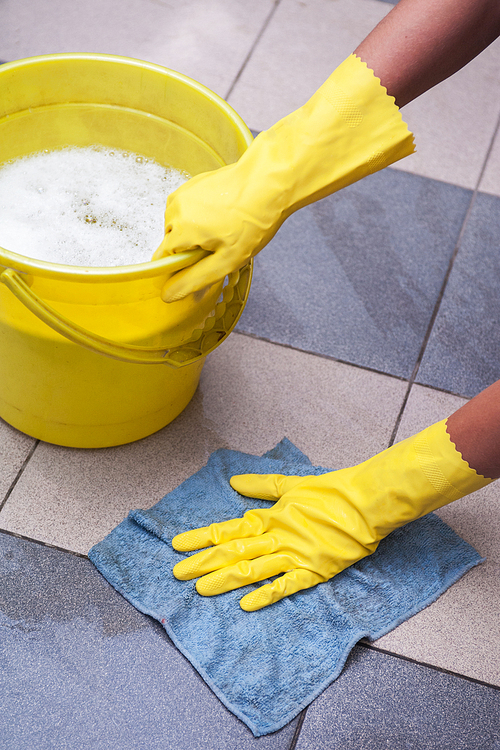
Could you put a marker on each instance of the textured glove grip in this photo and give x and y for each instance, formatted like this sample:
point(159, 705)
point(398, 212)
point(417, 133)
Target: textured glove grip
point(443, 466)
point(432, 472)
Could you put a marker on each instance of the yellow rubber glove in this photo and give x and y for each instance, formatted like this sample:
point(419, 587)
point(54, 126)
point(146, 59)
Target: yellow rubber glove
point(321, 525)
point(348, 129)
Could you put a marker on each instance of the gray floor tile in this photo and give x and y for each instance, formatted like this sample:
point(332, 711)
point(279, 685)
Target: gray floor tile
point(380, 702)
point(357, 275)
point(83, 669)
point(461, 630)
point(462, 353)
point(251, 395)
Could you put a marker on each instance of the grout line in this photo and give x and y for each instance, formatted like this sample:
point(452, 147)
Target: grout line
point(19, 474)
point(43, 544)
point(487, 157)
point(328, 357)
point(434, 315)
point(298, 729)
point(400, 415)
point(405, 401)
point(444, 285)
point(454, 254)
point(435, 312)
point(418, 663)
point(252, 48)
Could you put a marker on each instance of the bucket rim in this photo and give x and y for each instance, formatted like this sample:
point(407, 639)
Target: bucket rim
point(133, 62)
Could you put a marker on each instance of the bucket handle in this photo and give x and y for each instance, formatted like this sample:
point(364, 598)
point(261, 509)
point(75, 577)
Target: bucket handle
point(204, 340)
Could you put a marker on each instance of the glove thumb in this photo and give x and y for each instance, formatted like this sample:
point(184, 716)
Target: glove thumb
point(264, 486)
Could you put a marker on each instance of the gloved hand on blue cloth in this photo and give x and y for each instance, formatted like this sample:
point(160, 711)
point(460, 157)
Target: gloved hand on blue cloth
point(348, 129)
point(320, 525)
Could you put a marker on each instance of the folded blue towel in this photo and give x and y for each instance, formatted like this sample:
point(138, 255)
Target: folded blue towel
point(266, 666)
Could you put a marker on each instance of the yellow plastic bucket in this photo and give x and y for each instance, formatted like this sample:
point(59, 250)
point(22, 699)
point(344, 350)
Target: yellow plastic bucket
point(91, 357)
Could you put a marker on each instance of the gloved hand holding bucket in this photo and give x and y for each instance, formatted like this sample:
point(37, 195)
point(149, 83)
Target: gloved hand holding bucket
point(348, 129)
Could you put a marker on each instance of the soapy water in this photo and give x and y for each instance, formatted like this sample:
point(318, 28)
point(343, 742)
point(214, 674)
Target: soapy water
point(85, 206)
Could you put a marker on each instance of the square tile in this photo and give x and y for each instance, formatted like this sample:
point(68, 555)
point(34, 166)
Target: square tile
point(251, 395)
point(357, 275)
point(462, 352)
point(83, 669)
point(207, 41)
point(460, 631)
point(380, 702)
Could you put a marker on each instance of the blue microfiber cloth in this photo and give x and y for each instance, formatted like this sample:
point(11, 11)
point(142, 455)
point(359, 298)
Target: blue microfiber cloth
point(266, 666)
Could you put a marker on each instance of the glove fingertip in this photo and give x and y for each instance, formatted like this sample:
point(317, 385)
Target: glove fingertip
point(179, 285)
point(257, 600)
point(286, 585)
point(259, 486)
point(188, 541)
point(212, 584)
point(169, 297)
point(179, 572)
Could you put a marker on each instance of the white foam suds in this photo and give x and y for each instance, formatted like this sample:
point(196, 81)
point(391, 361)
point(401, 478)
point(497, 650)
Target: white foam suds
point(84, 206)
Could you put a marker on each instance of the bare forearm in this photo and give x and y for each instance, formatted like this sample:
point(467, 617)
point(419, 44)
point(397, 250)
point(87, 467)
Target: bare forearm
point(475, 431)
point(422, 42)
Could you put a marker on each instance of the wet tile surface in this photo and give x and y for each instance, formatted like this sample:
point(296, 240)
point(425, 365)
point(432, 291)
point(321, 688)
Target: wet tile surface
point(83, 668)
point(384, 702)
point(462, 353)
point(357, 275)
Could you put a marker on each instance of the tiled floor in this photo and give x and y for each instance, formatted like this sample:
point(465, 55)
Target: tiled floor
point(372, 315)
